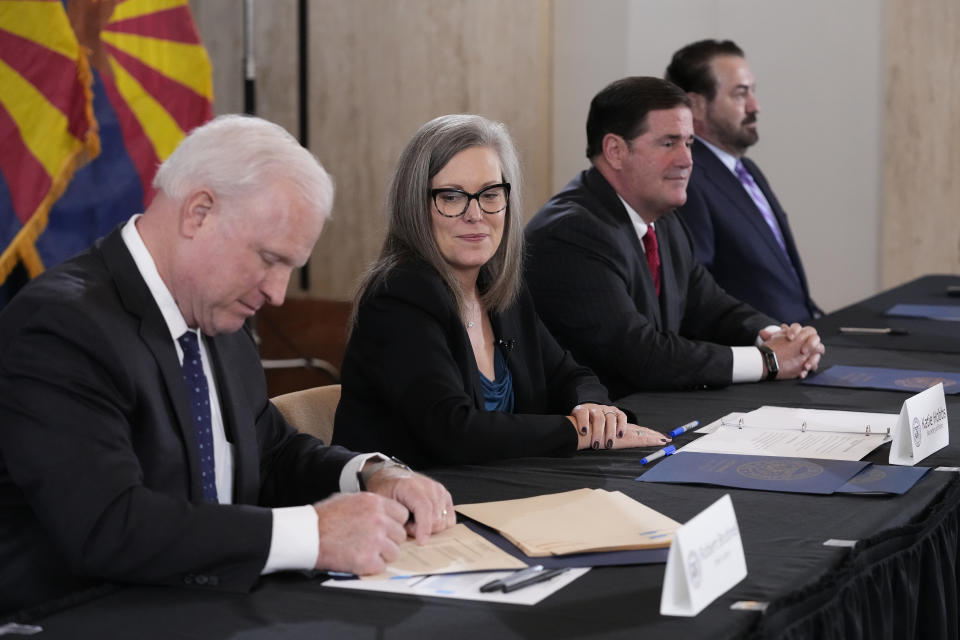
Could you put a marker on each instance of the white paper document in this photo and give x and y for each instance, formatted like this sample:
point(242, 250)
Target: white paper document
point(706, 560)
point(462, 586)
point(799, 433)
point(454, 550)
point(820, 420)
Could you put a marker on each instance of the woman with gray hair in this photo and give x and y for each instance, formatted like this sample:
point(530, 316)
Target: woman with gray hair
point(447, 361)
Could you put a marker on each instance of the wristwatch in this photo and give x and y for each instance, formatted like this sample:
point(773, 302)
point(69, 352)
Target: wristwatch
point(770, 359)
point(370, 468)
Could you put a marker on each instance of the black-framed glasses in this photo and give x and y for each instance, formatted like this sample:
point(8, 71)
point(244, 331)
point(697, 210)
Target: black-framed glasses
point(453, 203)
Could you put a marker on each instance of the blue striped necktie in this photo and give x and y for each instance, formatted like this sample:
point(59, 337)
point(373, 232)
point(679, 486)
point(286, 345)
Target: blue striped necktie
point(199, 392)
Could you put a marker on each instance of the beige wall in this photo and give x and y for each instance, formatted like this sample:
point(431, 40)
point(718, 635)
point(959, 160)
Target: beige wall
point(860, 121)
point(378, 70)
point(921, 232)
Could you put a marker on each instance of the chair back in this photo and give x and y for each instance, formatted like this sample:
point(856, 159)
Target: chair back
point(311, 410)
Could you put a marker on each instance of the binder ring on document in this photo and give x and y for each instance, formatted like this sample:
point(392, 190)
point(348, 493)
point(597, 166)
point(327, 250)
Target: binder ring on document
point(867, 431)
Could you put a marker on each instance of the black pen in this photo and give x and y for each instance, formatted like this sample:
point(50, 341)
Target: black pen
point(541, 576)
point(890, 331)
point(500, 583)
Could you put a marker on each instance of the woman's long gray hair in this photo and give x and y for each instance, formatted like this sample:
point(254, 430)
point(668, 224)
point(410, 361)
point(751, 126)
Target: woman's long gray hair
point(409, 208)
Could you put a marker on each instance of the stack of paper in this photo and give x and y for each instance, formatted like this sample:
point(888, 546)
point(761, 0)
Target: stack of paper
point(581, 521)
point(454, 550)
point(801, 433)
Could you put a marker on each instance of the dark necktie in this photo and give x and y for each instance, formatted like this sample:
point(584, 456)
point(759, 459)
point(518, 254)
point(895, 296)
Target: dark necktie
point(199, 393)
point(652, 249)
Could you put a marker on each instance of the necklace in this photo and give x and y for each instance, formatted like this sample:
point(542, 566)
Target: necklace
point(473, 310)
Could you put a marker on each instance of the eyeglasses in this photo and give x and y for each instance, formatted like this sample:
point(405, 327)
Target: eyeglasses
point(453, 203)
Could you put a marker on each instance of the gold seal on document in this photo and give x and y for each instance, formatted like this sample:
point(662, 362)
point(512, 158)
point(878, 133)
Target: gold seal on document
point(919, 383)
point(780, 469)
point(871, 475)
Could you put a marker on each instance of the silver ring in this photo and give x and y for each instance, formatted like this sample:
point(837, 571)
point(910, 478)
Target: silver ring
point(609, 412)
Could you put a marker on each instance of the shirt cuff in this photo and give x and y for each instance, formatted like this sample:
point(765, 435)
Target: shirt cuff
point(295, 541)
point(747, 364)
point(348, 476)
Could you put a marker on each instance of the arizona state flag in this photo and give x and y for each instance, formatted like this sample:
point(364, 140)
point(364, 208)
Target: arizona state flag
point(46, 122)
point(152, 84)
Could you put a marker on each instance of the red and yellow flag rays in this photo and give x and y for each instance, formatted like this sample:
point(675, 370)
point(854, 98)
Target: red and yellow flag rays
point(159, 80)
point(46, 118)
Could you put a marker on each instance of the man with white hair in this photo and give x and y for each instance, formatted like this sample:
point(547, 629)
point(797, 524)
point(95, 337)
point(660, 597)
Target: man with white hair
point(137, 443)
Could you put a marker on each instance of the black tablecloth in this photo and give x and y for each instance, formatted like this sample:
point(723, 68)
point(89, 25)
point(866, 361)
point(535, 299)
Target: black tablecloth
point(923, 335)
point(900, 580)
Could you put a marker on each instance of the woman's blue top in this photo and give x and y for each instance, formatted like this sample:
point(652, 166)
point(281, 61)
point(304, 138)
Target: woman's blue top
point(498, 394)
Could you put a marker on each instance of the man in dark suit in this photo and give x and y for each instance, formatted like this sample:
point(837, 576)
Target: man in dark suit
point(612, 270)
point(137, 443)
point(740, 232)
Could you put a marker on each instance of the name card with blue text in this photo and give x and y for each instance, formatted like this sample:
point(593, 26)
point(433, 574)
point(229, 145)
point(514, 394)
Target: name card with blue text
point(705, 561)
point(921, 428)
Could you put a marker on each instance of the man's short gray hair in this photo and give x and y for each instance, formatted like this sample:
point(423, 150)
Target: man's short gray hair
point(237, 156)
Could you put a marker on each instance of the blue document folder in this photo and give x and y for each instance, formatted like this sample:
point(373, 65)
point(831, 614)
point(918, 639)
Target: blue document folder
point(765, 473)
point(882, 478)
point(909, 380)
point(928, 311)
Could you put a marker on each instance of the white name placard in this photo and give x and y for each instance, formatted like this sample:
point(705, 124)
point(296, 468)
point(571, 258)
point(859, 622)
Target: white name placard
point(921, 428)
point(705, 561)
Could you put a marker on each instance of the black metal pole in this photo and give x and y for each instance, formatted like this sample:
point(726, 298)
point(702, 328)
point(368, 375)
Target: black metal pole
point(249, 66)
point(303, 50)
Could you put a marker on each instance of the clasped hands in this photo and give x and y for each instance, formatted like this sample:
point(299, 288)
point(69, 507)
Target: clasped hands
point(798, 349)
point(361, 532)
point(604, 427)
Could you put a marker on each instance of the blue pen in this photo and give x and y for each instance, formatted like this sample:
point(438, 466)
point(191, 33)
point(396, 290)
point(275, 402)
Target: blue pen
point(679, 430)
point(666, 451)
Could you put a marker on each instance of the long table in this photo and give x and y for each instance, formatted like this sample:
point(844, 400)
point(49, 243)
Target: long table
point(900, 580)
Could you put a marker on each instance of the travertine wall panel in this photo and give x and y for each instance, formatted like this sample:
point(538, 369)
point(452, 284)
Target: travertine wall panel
point(921, 175)
point(378, 70)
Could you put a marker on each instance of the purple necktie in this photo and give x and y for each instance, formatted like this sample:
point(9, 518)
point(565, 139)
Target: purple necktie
point(199, 393)
point(760, 200)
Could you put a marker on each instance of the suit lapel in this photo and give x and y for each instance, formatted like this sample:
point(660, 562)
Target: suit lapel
point(246, 461)
point(728, 185)
point(137, 299)
point(505, 328)
point(781, 217)
point(669, 287)
point(613, 208)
